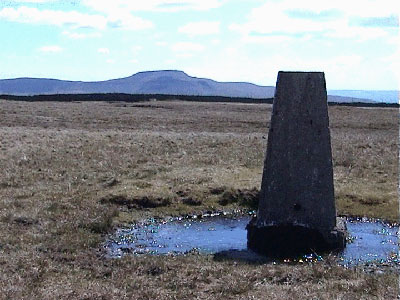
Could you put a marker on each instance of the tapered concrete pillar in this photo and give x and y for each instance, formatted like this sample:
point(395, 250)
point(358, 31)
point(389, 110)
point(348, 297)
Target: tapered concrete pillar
point(296, 213)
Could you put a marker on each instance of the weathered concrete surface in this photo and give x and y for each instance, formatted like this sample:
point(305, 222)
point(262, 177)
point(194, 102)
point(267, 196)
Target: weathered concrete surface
point(297, 203)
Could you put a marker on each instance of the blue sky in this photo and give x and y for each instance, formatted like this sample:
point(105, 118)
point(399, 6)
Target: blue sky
point(355, 42)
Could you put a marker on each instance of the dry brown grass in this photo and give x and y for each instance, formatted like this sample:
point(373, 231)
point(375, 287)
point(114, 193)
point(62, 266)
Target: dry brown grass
point(70, 171)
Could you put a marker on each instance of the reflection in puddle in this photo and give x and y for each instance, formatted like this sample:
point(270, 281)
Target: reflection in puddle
point(370, 240)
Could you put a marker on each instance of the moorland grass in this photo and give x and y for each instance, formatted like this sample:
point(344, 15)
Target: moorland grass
point(71, 172)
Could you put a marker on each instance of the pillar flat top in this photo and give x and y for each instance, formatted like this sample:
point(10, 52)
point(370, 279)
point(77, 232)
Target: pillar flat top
point(301, 72)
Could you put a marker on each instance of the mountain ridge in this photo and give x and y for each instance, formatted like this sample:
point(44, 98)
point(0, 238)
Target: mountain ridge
point(172, 82)
point(168, 82)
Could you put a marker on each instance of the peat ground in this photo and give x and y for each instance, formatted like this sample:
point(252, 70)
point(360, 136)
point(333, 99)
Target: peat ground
point(71, 172)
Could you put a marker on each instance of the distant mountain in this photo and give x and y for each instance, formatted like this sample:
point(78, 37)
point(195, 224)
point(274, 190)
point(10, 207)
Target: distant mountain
point(376, 96)
point(171, 82)
point(153, 82)
point(343, 99)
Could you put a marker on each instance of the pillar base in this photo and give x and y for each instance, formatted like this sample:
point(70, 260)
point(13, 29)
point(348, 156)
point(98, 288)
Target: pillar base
point(288, 240)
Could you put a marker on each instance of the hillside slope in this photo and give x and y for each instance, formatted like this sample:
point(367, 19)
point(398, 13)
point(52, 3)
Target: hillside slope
point(154, 82)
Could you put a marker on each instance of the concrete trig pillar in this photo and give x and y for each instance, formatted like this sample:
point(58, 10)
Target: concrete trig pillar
point(296, 213)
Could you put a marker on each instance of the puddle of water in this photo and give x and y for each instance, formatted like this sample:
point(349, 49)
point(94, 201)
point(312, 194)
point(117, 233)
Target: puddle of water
point(371, 241)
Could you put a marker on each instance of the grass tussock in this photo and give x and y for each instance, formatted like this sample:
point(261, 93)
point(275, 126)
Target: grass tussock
point(247, 198)
point(71, 172)
point(137, 203)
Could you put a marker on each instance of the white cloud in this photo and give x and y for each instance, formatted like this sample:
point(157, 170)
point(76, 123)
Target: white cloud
point(32, 1)
point(32, 15)
point(200, 28)
point(170, 61)
point(358, 33)
point(351, 71)
point(103, 50)
point(329, 18)
point(125, 20)
point(136, 49)
point(121, 20)
point(110, 61)
point(77, 36)
point(111, 7)
point(50, 49)
point(361, 8)
point(161, 43)
point(187, 47)
point(266, 39)
point(393, 60)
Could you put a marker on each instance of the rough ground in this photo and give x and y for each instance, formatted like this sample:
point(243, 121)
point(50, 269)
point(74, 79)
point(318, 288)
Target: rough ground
point(71, 171)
